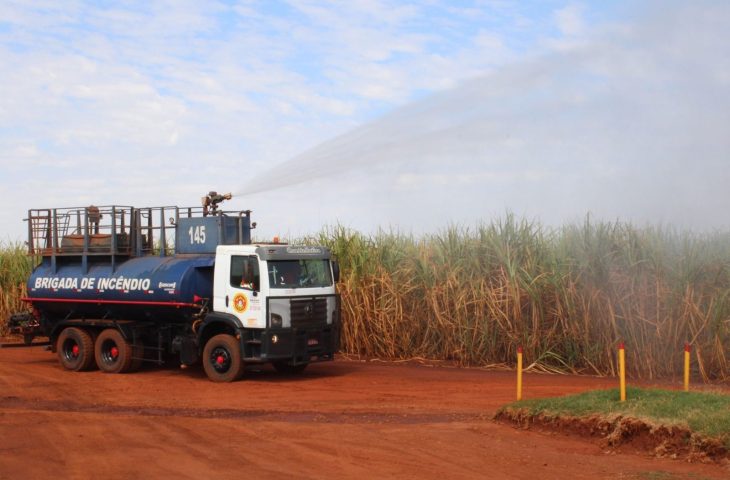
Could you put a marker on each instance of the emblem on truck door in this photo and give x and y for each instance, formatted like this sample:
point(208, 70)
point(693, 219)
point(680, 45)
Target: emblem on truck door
point(240, 303)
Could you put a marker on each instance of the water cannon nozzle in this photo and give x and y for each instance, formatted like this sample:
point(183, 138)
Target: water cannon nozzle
point(210, 202)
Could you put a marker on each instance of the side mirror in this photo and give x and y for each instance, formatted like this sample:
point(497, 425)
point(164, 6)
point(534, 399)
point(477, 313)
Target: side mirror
point(336, 270)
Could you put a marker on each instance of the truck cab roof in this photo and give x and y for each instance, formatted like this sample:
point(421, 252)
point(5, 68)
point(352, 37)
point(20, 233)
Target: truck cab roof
point(277, 251)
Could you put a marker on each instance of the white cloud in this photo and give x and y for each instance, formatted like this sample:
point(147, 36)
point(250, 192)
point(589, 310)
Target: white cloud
point(569, 20)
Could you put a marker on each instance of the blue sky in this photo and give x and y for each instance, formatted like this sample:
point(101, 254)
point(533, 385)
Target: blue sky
point(147, 103)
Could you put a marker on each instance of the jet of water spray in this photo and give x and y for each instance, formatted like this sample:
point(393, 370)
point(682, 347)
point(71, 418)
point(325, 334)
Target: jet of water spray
point(458, 122)
point(632, 124)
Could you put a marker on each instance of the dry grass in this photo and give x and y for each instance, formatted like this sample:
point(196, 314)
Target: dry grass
point(15, 267)
point(568, 296)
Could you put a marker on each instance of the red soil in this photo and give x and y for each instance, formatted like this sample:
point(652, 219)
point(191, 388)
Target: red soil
point(345, 419)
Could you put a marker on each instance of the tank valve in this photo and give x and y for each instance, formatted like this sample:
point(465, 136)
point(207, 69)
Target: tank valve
point(210, 202)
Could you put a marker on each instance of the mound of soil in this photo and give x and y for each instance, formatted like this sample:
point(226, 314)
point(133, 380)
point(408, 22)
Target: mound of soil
point(625, 433)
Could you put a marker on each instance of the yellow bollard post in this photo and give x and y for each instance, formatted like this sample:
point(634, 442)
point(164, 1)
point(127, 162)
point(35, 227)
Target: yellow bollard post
point(686, 366)
point(622, 370)
point(519, 373)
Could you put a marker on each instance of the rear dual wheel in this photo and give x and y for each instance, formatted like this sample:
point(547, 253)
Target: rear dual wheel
point(114, 354)
point(75, 349)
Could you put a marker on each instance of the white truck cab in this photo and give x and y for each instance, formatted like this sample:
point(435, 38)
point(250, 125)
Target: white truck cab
point(262, 285)
point(282, 301)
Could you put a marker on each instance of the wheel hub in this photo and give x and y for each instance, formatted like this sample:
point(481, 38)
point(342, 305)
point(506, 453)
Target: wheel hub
point(71, 350)
point(220, 358)
point(110, 353)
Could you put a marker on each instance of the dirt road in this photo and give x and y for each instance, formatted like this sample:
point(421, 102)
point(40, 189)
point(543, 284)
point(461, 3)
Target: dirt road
point(344, 419)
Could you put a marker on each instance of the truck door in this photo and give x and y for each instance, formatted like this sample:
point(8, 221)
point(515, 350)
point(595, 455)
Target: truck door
point(242, 290)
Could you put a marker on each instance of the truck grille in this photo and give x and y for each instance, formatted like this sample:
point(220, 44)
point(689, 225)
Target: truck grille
point(308, 312)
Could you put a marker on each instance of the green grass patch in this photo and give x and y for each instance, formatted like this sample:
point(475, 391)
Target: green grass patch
point(703, 413)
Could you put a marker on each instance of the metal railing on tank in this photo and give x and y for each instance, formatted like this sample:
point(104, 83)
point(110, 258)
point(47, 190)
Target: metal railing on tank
point(80, 231)
point(155, 232)
point(123, 231)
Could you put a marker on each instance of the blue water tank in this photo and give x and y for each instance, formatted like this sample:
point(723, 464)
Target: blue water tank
point(163, 289)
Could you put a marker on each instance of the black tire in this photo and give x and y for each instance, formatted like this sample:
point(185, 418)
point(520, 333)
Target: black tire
point(283, 366)
point(75, 349)
point(222, 359)
point(113, 353)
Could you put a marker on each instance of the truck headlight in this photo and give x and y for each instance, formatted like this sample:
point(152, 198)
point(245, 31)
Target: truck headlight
point(276, 321)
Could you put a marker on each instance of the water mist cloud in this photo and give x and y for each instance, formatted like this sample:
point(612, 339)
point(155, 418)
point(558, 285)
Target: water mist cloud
point(633, 123)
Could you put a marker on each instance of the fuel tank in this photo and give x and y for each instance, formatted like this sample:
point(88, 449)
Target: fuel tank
point(163, 289)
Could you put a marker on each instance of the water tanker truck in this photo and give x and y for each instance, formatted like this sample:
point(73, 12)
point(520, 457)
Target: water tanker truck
point(109, 291)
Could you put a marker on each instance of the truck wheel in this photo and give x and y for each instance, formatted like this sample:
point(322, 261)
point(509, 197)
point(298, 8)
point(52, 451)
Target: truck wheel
point(75, 349)
point(284, 367)
point(113, 353)
point(222, 359)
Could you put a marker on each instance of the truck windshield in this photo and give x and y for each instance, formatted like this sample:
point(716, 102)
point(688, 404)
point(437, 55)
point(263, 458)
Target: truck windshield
point(299, 273)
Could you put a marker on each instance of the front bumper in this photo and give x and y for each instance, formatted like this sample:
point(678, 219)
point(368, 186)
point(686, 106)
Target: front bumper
point(297, 346)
